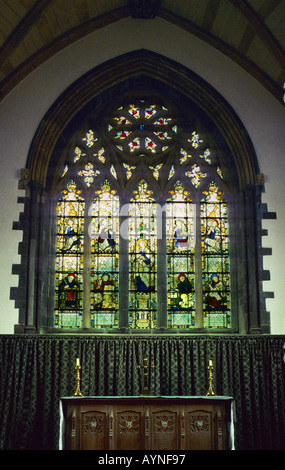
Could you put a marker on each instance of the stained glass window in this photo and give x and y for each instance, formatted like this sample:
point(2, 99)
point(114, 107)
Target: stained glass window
point(215, 259)
point(69, 259)
point(175, 245)
point(180, 230)
point(142, 259)
point(104, 258)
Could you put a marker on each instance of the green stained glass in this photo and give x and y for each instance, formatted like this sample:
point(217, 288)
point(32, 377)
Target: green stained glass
point(215, 259)
point(69, 259)
point(142, 259)
point(104, 258)
point(180, 259)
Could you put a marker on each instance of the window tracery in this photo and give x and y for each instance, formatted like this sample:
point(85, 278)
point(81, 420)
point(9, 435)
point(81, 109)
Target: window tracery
point(175, 213)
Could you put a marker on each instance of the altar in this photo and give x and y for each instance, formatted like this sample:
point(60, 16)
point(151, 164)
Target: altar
point(147, 423)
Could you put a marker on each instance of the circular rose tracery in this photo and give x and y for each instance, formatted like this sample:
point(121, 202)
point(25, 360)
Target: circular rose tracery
point(142, 129)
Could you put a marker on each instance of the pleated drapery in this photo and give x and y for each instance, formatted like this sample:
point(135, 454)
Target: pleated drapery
point(35, 371)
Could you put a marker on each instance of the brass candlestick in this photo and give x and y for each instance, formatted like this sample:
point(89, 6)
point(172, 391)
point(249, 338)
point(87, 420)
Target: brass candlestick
point(146, 391)
point(77, 392)
point(210, 369)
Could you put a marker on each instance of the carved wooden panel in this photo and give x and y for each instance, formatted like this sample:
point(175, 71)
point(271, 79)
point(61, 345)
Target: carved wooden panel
point(129, 429)
point(93, 429)
point(146, 424)
point(164, 429)
point(199, 429)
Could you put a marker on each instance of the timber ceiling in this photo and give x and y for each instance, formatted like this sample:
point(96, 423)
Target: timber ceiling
point(250, 32)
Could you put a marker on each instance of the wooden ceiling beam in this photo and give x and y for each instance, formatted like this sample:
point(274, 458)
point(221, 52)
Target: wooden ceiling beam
point(226, 49)
point(23, 27)
point(257, 23)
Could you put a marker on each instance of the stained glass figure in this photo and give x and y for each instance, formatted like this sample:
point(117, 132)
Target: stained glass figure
point(69, 259)
point(142, 259)
point(215, 259)
point(180, 259)
point(104, 258)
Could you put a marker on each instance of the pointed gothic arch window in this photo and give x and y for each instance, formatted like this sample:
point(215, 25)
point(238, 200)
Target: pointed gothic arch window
point(142, 118)
point(142, 226)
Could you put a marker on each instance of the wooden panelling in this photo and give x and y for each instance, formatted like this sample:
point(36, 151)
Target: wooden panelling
point(186, 423)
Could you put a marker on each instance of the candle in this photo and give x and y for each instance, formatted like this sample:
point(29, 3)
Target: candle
point(77, 362)
point(210, 363)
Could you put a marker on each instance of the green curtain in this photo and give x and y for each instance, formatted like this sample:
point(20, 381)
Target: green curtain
point(35, 371)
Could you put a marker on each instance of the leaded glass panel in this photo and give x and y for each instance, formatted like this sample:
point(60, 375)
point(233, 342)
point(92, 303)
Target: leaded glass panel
point(142, 129)
point(215, 259)
point(143, 138)
point(180, 233)
point(142, 259)
point(104, 258)
point(69, 259)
